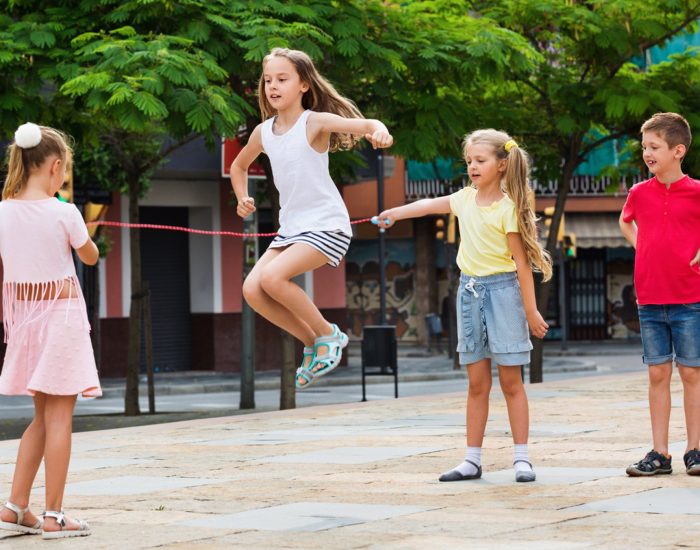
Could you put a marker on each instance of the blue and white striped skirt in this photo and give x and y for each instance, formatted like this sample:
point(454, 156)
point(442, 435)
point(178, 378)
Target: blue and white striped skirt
point(333, 244)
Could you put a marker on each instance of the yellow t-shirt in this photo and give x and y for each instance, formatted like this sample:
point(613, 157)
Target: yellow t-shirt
point(483, 247)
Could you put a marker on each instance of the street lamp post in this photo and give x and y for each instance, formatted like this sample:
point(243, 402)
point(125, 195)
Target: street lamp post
point(250, 256)
point(382, 242)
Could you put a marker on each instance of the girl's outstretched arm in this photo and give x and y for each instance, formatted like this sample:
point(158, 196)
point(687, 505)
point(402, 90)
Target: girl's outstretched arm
point(538, 326)
point(328, 123)
point(239, 172)
point(423, 207)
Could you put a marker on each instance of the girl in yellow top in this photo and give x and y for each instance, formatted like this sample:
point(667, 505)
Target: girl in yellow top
point(496, 297)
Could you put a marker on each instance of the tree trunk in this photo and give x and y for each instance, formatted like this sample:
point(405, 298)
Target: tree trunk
point(543, 289)
point(131, 397)
point(288, 376)
point(426, 287)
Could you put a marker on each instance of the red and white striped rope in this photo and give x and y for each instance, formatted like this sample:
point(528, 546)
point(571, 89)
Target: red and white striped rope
point(195, 231)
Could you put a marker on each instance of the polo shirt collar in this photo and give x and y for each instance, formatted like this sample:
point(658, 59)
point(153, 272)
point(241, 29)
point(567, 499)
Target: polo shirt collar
point(674, 185)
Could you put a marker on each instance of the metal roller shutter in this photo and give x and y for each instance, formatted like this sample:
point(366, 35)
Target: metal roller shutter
point(165, 264)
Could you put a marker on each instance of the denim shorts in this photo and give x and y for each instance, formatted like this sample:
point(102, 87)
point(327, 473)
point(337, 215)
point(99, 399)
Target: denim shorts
point(668, 330)
point(491, 320)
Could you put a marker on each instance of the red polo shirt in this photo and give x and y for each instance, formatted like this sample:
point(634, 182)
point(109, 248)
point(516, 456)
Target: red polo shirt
point(668, 237)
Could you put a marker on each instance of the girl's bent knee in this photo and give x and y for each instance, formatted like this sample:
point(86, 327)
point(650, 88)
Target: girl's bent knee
point(251, 290)
point(270, 282)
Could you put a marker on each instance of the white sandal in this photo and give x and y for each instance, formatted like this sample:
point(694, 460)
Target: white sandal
point(17, 527)
point(83, 529)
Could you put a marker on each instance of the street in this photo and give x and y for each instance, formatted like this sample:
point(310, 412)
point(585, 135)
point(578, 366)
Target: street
point(333, 391)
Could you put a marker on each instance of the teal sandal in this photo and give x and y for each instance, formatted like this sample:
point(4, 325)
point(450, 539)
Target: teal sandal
point(305, 372)
point(334, 344)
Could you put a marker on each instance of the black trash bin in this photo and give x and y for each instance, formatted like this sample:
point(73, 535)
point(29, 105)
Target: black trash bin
point(379, 354)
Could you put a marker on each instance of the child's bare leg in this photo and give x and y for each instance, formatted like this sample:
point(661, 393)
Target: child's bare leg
point(516, 402)
point(478, 401)
point(477, 415)
point(276, 281)
point(29, 455)
point(271, 309)
point(660, 404)
point(58, 418)
point(519, 418)
point(691, 403)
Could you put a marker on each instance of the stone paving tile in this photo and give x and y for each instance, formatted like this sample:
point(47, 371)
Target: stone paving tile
point(551, 476)
point(133, 485)
point(351, 455)
point(305, 516)
point(656, 501)
point(581, 442)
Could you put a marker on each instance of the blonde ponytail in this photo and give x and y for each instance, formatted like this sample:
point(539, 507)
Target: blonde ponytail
point(16, 174)
point(21, 160)
point(517, 186)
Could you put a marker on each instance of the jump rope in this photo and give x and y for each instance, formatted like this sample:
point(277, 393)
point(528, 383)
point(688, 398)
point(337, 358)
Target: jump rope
point(373, 219)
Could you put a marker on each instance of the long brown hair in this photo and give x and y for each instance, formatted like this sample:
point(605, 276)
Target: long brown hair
point(21, 161)
point(516, 185)
point(321, 95)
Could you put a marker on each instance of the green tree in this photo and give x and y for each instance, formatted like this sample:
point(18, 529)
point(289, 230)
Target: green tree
point(140, 77)
point(414, 65)
point(589, 85)
point(143, 77)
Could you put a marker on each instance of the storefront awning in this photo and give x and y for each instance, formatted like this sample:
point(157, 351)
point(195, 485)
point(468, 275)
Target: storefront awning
point(595, 230)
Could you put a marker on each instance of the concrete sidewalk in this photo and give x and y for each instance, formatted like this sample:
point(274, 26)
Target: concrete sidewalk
point(415, 364)
point(364, 475)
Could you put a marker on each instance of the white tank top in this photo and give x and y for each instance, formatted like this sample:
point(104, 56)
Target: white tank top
point(309, 200)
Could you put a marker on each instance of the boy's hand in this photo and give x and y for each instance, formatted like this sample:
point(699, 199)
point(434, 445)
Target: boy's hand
point(380, 138)
point(695, 262)
point(538, 326)
point(245, 207)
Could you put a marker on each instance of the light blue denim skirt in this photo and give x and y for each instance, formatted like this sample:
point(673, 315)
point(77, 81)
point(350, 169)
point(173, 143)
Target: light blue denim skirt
point(491, 320)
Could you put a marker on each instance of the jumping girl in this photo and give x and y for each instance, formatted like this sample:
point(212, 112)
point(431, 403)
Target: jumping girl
point(496, 296)
point(304, 118)
point(49, 355)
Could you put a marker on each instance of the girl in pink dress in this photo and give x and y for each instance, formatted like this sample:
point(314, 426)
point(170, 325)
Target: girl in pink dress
point(49, 355)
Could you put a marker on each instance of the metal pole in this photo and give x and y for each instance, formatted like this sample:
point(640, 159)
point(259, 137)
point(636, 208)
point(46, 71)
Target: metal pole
point(250, 256)
point(382, 243)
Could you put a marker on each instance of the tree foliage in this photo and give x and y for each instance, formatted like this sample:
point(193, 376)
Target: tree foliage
point(142, 77)
point(590, 83)
point(139, 78)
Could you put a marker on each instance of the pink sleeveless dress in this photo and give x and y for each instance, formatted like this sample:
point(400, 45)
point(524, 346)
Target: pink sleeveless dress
point(48, 339)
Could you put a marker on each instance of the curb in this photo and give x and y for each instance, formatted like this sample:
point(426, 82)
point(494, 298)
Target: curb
point(269, 383)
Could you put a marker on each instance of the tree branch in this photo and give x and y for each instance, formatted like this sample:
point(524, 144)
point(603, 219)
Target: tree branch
point(543, 95)
point(588, 148)
point(174, 146)
point(651, 43)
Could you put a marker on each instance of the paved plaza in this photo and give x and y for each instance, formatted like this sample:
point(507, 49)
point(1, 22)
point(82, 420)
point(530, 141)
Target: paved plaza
point(364, 475)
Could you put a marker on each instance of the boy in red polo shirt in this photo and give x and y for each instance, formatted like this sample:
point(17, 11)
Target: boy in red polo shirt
point(661, 219)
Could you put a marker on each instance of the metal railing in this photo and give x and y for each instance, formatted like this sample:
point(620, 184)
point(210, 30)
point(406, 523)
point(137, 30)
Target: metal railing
point(580, 186)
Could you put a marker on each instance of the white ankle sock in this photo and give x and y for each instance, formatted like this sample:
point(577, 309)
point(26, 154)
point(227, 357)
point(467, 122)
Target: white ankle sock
point(519, 455)
point(473, 456)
